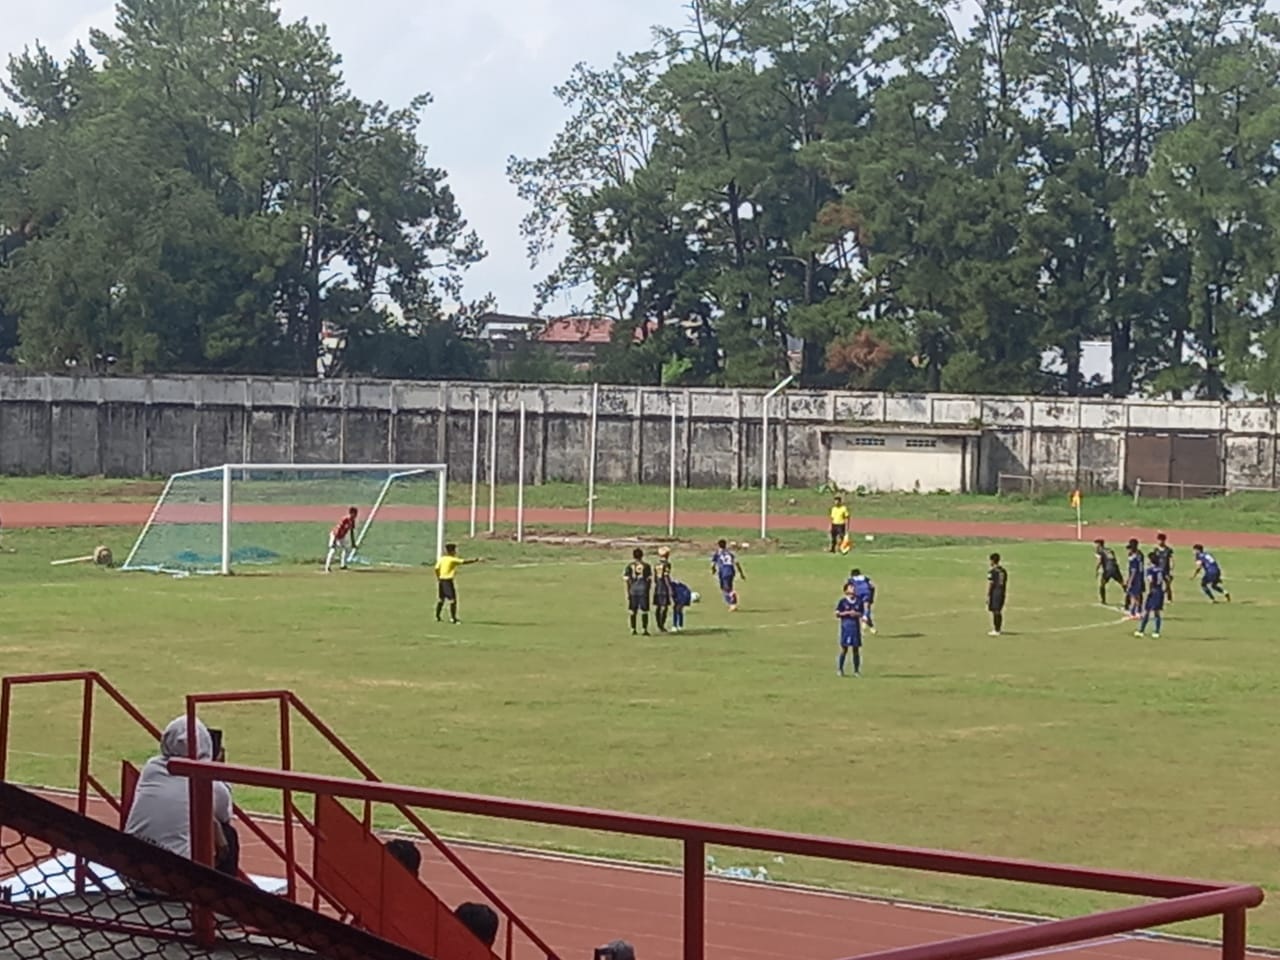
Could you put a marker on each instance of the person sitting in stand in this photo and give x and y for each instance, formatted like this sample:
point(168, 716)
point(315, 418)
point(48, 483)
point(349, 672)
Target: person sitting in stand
point(161, 809)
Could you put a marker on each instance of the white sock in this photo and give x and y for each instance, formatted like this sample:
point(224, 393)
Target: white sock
point(328, 560)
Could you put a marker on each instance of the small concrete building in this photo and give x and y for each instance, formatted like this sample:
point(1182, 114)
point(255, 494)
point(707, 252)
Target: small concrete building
point(886, 458)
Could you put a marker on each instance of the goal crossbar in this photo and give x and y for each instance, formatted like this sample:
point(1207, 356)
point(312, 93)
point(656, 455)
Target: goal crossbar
point(224, 475)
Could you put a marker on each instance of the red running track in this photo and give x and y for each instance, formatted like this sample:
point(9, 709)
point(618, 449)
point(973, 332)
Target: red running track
point(136, 514)
point(576, 905)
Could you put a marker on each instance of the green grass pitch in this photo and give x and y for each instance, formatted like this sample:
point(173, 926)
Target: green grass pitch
point(1067, 739)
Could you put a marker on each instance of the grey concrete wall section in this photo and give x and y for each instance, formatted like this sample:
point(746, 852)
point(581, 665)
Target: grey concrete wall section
point(121, 426)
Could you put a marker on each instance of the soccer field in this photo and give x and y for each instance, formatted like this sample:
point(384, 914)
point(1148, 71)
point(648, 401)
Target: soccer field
point(1065, 739)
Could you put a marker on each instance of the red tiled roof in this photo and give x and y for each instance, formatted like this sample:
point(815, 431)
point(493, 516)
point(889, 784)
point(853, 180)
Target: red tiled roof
point(576, 330)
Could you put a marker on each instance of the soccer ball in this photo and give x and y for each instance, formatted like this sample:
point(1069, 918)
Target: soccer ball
point(695, 597)
point(102, 557)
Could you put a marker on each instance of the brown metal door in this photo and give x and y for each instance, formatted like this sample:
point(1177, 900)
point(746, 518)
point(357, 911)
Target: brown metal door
point(1148, 457)
point(1194, 461)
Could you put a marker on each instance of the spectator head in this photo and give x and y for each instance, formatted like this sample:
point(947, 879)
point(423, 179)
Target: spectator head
point(173, 742)
point(480, 919)
point(616, 950)
point(406, 854)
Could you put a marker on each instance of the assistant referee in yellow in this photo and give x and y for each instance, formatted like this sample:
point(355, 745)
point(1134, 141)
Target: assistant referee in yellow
point(446, 570)
point(839, 522)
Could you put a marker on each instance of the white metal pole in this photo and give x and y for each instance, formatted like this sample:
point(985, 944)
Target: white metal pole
point(520, 482)
point(591, 462)
point(475, 463)
point(442, 510)
point(493, 462)
point(671, 499)
point(226, 518)
point(764, 456)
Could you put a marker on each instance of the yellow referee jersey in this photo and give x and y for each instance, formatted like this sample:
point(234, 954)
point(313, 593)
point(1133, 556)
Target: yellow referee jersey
point(447, 566)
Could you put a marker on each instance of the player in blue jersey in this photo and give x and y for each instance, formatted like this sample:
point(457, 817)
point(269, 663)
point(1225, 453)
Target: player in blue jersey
point(1153, 608)
point(849, 613)
point(865, 591)
point(681, 597)
point(1209, 572)
point(726, 568)
point(1135, 581)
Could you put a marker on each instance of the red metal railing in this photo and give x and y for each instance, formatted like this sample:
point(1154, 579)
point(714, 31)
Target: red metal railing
point(287, 704)
point(1181, 899)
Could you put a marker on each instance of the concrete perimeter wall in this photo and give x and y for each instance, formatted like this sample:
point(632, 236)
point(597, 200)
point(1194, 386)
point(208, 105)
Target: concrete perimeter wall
point(121, 426)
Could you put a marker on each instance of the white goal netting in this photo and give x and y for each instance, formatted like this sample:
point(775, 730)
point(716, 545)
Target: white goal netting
point(212, 520)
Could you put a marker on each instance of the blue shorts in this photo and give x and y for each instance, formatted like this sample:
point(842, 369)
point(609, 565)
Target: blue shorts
point(1155, 602)
point(726, 583)
point(848, 640)
point(1135, 591)
point(1212, 579)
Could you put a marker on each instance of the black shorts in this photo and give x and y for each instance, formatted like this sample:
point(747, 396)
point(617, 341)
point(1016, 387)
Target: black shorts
point(638, 602)
point(1109, 575)
point(995, 602)
point(661, 595)
point(838, 530)
point(445, 590)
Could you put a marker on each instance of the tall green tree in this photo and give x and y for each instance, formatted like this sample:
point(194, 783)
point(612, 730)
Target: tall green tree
point(213, 197)
point(1211, 175)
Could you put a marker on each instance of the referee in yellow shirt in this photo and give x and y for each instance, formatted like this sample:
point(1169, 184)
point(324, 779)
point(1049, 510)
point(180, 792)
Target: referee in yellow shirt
point(839, 522)
point(446, 569)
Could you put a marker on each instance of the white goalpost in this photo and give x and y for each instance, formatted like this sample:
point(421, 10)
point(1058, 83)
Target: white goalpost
point(211, 520)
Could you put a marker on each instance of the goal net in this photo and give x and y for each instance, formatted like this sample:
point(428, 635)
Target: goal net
point(212, 520)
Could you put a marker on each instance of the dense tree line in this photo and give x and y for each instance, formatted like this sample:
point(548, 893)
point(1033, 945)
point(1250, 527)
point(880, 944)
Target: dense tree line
point(907, 199)
point(204, 194)
point(924, 205)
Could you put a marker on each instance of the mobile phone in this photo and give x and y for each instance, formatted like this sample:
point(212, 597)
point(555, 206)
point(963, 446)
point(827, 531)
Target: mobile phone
point(216, 737)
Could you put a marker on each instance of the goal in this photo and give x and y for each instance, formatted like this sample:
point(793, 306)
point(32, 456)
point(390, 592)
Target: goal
point(211, 520)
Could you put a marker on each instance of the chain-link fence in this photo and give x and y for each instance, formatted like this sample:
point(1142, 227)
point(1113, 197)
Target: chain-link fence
point(68, 889)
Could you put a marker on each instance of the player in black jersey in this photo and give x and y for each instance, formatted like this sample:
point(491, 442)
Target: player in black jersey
point(639, 578)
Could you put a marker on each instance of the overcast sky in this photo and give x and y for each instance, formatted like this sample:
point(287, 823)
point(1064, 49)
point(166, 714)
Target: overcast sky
point(490, 64)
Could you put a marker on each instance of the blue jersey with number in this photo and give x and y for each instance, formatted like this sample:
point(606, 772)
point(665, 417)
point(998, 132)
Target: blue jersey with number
point(1155, 579)
point(726, 563)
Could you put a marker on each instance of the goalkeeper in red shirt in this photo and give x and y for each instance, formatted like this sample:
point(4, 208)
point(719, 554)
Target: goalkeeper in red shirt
point(344, 531)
